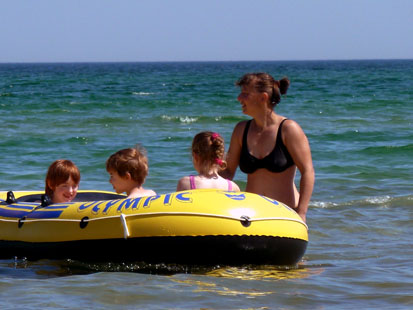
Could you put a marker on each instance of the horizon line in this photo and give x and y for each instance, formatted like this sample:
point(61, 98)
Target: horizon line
point(189, 61)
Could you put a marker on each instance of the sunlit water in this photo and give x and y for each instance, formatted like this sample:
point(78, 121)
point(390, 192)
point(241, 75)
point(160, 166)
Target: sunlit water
point(357, 115)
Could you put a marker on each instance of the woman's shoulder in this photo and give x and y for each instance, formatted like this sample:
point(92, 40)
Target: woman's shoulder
point(240, 126)
point(242, 123)
point(290, 126)
point(293, 134)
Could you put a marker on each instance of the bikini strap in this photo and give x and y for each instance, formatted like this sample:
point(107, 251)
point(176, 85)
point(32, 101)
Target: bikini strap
point(280, 129)
point(192, 181)
point(245, 134)
point(229, 185)
point(283, 121)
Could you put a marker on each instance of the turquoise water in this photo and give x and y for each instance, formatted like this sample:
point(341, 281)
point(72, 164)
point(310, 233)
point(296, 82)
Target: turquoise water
point(358, 116)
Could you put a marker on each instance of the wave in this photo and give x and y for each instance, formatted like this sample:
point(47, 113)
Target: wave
point(378, 201)
point(199, 119)
point(141, 93)
point(355, 135)
point(389, 149)
point(180, 119)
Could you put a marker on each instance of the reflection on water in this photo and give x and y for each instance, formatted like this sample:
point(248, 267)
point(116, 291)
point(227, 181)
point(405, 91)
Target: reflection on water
point(211, 287)
point(23, 268)
point(58, 268)
point(300, 271)
point(252, 273)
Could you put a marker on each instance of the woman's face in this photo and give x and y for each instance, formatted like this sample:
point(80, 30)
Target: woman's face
point(65, 192)
point(249, 99)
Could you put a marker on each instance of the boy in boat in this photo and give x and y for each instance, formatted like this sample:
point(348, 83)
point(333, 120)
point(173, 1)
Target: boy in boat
point(128, 169)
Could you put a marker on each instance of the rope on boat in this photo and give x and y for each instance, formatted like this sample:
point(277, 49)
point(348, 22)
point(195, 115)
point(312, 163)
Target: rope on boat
point(124, 216)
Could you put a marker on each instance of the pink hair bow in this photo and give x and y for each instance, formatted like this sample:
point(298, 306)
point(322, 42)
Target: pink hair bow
point(218, 161)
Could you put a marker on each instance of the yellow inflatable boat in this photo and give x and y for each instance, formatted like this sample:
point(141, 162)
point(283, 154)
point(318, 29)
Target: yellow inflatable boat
point(201, 227)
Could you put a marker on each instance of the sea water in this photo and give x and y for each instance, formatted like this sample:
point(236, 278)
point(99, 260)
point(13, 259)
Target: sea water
point(357, 115)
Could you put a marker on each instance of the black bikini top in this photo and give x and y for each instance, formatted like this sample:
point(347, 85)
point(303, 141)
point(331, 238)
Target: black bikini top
point(277, 161)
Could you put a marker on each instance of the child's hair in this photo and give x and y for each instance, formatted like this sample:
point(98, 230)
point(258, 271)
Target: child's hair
point(210, 148)
point(58, 173)
point(132, 160)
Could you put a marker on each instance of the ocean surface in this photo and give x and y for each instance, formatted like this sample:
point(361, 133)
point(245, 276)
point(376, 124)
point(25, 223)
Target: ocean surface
point(358, 116)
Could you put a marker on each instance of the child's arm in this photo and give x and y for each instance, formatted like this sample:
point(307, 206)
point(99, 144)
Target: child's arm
point(235, 187)
point(183, 184)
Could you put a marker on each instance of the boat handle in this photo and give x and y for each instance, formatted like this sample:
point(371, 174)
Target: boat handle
point(125, 226)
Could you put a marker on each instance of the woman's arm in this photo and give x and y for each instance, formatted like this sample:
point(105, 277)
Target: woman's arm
point(298, 146)
point(234, 152)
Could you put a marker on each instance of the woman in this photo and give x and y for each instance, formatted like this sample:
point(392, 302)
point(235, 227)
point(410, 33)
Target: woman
point(270, 147)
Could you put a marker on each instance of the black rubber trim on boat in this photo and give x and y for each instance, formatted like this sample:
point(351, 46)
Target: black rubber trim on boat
point(20, 223)
point(198, 250)
point(84, 196)
point(83, 223)
point(10, 198)
point(245, 221)
point(46, 201)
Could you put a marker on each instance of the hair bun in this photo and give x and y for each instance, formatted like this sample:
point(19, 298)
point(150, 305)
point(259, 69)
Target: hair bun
point(284, 83)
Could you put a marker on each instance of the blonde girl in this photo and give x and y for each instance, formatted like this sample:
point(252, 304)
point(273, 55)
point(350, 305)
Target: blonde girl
point(208, 152)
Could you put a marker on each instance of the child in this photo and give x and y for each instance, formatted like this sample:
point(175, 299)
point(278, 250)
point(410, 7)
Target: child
point(128, 169)
point(62, 181)
point(207, 156)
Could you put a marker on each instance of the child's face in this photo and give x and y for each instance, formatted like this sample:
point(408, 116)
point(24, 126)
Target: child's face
point(120, 184)
point(65, 192)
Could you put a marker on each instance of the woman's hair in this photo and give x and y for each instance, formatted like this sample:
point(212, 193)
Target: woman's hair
point(59, 172)
point(265, 83)
point(132, 160)
point(210, 149)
